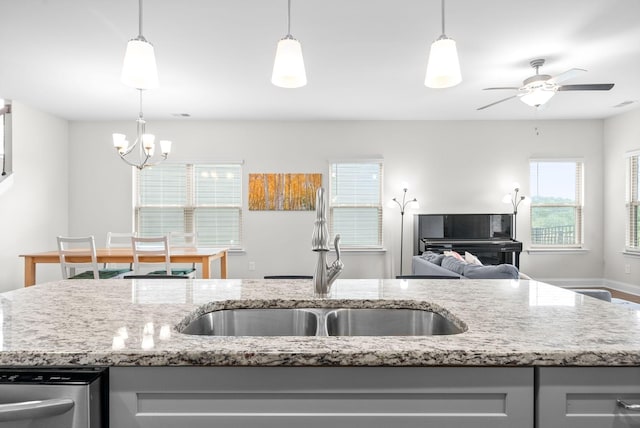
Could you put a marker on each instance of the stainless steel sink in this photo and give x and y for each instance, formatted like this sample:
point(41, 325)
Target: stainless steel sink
point(387, 322)
point(322, 322)
point(255, 322)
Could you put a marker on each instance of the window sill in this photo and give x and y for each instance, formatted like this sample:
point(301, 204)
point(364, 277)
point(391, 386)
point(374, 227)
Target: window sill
point(540, 251)
point(631, 253)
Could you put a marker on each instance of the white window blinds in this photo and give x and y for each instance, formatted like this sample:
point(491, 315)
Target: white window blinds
point(201, 198)
point(556, 203)
point(355, 203)
point(633, 203)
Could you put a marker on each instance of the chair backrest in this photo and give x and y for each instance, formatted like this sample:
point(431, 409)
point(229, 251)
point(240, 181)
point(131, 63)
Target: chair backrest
point(119, 239)
point(77, 252)
point(183, 239)
point(155, 247)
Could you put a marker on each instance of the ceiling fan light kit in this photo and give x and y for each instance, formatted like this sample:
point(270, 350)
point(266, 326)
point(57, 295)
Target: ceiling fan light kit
point(288, 66)
point(443, 66)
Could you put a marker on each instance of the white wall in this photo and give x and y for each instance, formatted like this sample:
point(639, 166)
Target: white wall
point(35, 208)
point(621, 134)
point(456, 167)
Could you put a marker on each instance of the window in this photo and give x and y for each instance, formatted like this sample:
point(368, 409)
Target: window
point(355, 203)
point(632, 203)
point(556, 203)
point(201, 198)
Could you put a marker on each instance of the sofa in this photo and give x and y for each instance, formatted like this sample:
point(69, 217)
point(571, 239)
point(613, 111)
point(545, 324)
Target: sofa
point(452, 264)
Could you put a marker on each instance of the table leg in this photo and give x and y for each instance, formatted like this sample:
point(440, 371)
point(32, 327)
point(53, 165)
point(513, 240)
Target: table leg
point(29, 271)
point(206, 267)
point(223, 265)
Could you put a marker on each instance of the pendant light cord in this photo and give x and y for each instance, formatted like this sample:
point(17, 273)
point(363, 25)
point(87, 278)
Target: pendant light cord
point(288, 17)
point(443, 33)
point(140, 19)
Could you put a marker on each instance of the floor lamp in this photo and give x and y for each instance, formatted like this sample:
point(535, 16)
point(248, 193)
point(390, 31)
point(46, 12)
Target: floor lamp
point(514, 200)
point(403, 205)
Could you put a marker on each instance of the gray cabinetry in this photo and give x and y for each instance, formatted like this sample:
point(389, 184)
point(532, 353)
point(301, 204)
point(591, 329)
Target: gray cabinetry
point(321, 397)
point(586, 397)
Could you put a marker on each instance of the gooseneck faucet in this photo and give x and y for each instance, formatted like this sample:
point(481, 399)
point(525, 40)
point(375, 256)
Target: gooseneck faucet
point(324, 274)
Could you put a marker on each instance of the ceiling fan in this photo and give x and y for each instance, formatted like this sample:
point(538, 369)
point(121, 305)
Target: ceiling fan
point(539, 88)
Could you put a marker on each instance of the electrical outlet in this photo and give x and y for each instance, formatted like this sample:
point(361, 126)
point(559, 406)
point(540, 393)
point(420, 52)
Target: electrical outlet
point(252, 265)
point(627, 268)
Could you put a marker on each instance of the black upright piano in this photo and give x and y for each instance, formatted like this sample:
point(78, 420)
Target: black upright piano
point(487, 236)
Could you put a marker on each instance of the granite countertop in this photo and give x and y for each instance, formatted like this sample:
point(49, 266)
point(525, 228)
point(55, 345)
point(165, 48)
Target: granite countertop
point(133, 323)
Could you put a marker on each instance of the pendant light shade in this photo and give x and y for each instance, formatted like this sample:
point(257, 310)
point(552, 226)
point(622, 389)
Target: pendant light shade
point(139, 67)
point(288, 67)
point(443, 67)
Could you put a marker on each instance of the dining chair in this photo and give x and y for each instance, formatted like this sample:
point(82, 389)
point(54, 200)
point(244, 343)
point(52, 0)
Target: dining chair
point(184, 240)
point(80, 253)
point(119, 240)
point(156, 247)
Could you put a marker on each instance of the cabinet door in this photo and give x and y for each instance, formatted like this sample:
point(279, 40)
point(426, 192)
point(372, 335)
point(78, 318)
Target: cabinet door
point(586, 397)
point(322, 397)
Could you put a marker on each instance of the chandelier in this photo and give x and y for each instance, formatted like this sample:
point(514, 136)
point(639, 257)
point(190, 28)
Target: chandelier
point(139, 71)
point(145, 143)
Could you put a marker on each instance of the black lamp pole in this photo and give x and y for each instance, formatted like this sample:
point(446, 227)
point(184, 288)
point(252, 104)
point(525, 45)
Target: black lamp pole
point(515, 203)
point(402, 206)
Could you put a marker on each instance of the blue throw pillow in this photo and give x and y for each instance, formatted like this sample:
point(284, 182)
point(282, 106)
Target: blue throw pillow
point(490, 272)
point(432, 257)
point(453, 264)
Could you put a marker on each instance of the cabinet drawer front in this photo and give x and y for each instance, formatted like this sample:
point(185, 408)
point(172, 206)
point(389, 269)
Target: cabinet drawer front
point(321, 397)
point(585, 397)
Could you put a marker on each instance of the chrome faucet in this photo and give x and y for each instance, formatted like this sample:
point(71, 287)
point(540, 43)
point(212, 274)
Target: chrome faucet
point(324, 274)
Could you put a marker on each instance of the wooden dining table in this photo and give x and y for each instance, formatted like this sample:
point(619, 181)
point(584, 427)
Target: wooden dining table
point(202, 256)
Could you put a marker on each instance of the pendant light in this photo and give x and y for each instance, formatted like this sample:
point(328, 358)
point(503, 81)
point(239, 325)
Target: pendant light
point(139, 68)
point(443, 68)
point(288, 67)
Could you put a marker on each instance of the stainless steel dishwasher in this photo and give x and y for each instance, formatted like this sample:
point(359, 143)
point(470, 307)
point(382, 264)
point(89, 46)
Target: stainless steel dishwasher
point(53, 398)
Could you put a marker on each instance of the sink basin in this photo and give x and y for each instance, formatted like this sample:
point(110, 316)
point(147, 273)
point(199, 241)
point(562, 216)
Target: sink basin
point(387, 322)
point(255, 322)
point(321, 322)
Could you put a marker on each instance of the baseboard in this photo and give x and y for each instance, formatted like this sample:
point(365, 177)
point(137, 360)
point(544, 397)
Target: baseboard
point(573, 282)
point(593, 282)
point(622, 286)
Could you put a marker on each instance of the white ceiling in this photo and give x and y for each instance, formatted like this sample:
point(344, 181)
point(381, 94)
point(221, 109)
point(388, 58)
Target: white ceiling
point(365, 59)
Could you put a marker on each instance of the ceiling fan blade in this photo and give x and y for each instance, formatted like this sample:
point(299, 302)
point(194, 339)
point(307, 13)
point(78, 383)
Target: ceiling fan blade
point(569, 74)
point(501, 87)
point(498, 102)
point(587, 87)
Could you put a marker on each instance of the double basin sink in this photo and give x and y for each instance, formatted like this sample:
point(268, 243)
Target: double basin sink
point(322, 322)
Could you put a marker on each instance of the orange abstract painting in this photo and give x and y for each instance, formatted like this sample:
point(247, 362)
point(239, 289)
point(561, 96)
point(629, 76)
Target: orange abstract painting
point(283, 192)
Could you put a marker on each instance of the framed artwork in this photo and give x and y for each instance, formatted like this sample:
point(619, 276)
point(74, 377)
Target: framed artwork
point(283, 192)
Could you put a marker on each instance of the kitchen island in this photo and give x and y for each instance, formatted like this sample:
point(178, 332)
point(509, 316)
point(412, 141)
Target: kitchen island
point(513, 332)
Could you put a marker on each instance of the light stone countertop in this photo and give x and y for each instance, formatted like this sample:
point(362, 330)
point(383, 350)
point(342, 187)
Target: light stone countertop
point(133, 323)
